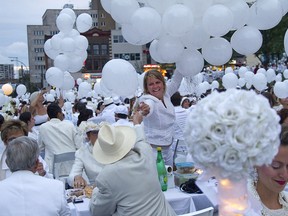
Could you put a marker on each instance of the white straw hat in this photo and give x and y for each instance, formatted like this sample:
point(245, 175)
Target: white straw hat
point(113, 143)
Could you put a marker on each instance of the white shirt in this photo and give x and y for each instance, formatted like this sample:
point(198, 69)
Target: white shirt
point(57, 137)
point(84, 161)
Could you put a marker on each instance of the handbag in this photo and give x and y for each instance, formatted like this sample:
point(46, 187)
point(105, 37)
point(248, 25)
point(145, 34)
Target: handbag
point(190, 187)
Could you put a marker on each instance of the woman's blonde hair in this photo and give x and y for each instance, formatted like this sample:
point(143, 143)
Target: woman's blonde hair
point(154, 74)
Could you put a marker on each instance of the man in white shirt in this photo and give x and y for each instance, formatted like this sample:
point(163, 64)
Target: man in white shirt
point(58, 136)
point(24, 193)
point(121, 116)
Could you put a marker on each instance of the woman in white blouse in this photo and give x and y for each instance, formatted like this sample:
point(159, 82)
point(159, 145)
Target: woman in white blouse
point(266, 192)
point(84, 160)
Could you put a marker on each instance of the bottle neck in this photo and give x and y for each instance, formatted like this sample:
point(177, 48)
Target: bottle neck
point(159, 156)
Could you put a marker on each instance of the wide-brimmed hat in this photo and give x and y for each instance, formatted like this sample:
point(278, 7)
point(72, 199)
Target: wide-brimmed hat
point(108, 100)
point(113, 143)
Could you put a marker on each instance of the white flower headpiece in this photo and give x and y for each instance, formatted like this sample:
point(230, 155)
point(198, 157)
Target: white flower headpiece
point(87, 126)
point(230, 132)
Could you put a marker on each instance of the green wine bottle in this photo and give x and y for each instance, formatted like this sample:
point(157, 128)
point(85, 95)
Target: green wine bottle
point(161, 169)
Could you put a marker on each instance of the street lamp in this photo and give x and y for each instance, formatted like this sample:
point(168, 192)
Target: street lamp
point(15, 59)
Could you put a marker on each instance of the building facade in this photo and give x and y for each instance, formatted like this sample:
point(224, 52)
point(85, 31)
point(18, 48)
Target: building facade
point(6, 73)
point(38, 34)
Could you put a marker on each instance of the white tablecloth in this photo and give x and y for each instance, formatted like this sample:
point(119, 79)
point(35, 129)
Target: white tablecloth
point(181, 203)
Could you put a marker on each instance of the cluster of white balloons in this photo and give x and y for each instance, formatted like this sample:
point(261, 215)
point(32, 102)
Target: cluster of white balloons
point(243, 78)
point(177, 29)
point(68, 48)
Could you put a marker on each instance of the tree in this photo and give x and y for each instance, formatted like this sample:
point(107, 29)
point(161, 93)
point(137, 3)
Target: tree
point(273, 42)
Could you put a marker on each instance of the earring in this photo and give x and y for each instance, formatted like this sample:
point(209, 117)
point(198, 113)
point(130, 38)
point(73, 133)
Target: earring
point(255, 176)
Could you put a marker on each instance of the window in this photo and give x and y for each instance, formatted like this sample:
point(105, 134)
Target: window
point(127, 56)
point(38, 41)
point(104, 49)
point(119, 39)
point(102, 15)
point(39, 33)
point(96, 50)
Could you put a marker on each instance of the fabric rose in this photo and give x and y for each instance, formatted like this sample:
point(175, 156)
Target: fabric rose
point(231, 132)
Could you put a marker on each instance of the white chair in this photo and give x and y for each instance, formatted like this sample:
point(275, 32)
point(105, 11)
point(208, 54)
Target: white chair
point(204, 212)
point(58, 159)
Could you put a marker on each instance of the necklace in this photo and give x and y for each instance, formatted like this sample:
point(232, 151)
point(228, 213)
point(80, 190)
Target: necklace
point(266, 211)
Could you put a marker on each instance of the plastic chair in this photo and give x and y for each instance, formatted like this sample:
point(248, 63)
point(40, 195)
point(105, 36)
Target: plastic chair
point(204, 212)
point(57, 160)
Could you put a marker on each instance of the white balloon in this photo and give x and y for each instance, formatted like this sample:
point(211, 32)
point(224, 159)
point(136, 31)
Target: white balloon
point(67, 45)
point(284, 4)
point(195, 38)
point(198, 7)
point(97, 88)
point(49, 98)
point(73, 33)
point(21, 90)
point(262, 70)
point(190, 63)
point(84, 89)
point(68, 106)
point(68, 82)
point(78, 81)
point(214, 84)
point(64, 22)
point(170, 49)
point(54, 77)
point(84, 22)
point(249, 77)
point(61, 62)
point(286, 42)
point(280, 90)
point(56, 41)
point(153, 51)
point(133, 37)
point(50, 52)
point(241, 82)
point(217, 51)
point(265, 14)
point(122, 10)
point(177, 20)
point(246, 40)
point(70, 96)
point(240, 10)
point(285, 73)
point(81, 42)
point(76, 63)
point(106, 4)
point(271, 75)
point(160, 5)
point(120, 77)
point(2, 99)
point(259, 81)
point(278, 78)
point(70, 12)
point(147, 22)
point(229, 70)
point(229, 80)
point(242, 71)
point(217, 20)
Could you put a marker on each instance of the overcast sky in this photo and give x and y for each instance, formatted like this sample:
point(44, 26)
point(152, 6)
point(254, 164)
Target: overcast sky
point(15, 15)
